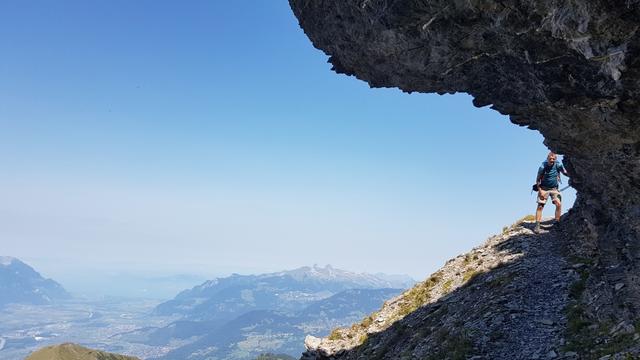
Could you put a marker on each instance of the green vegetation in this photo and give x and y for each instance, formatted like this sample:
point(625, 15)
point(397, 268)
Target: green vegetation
point(412, 299)
point(469, 258)
point(452, 346)
point(583, 334)
point(527, 218)
point(446, 287)
point(74, 352)
point(618, 344)
point(419, 294)
point(501, 281)
point(269, 356)
point(433, 280)
point(576, 323)
point(577, 288)
point(366, 322)
point(363, 338)
point(578, 332)
point(593, 337)
point(339, 334)
point(336, 334)
point(469, 274)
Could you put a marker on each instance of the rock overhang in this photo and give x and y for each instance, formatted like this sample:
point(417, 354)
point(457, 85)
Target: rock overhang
point(569, 69)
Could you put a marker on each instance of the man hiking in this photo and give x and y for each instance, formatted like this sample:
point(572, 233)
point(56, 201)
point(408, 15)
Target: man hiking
point(547, 181)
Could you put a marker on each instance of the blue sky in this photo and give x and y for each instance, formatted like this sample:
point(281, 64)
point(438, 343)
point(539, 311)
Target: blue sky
point(211, 137)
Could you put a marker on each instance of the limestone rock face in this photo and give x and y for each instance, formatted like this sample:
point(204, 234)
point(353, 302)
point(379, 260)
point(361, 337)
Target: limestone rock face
point(570, 69)
point(567, 68)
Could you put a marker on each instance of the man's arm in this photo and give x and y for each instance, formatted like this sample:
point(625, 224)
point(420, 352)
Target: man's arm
point(540, 176)
point(562, 170)
point(539, 181)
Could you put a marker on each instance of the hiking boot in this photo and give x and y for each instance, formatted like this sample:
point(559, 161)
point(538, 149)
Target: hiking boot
point(537, 228)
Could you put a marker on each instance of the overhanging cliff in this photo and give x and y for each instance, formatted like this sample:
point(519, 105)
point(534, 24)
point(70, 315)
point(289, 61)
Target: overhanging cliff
point(570, 69)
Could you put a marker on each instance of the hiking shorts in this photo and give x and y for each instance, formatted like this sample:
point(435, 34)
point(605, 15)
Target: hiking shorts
point(554, 193)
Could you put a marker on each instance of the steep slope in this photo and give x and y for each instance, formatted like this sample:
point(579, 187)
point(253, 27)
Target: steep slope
point(20, 283)
point(514, 297)
point(74, 352)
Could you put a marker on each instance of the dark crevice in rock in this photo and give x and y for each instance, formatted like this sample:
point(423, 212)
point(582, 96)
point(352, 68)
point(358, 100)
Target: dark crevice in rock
point(569, 69)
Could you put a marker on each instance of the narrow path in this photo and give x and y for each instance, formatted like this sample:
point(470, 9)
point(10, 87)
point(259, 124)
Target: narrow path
point(536, 301)
point(511, 307)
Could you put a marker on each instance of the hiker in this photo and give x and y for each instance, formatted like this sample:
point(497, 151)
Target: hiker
point(547, 180)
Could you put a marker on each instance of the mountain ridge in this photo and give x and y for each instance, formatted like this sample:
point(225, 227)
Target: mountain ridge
point(283, 331)
point(20, 283)
point(286, 290)
point(517, 296)
point(274, 308)
point(69, 351)
point(454, 312)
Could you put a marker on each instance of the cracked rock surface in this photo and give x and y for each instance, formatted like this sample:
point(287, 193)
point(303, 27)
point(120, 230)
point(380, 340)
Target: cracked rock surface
point(570, 69)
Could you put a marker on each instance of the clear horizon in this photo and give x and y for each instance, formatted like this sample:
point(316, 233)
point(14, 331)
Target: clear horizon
point(205, 137)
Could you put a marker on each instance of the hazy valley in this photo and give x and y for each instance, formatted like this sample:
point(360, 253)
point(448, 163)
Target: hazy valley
point(234, 317)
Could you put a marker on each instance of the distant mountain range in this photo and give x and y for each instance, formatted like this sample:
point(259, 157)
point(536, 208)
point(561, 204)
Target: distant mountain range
point(20, 283)
point(242, 316)
point(224, 298)
point(239, 317)
point(259, 331)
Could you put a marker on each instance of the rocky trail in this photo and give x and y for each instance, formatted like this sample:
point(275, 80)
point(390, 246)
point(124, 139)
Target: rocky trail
point(533, 305)
point(506, 299)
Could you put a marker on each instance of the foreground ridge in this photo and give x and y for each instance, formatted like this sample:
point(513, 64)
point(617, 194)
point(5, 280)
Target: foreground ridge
point(70, 351)
point(511, 298)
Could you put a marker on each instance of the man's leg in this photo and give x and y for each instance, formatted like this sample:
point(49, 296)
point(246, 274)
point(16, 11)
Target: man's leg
point(558, 209)
point(541, 200)
point(539, 213)
point(557, 201)
point(538, 217)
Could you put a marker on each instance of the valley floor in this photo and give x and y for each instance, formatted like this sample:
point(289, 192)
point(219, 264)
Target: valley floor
point(97, 324)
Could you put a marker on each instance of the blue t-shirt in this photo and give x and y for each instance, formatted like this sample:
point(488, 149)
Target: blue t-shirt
point(550, 177)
